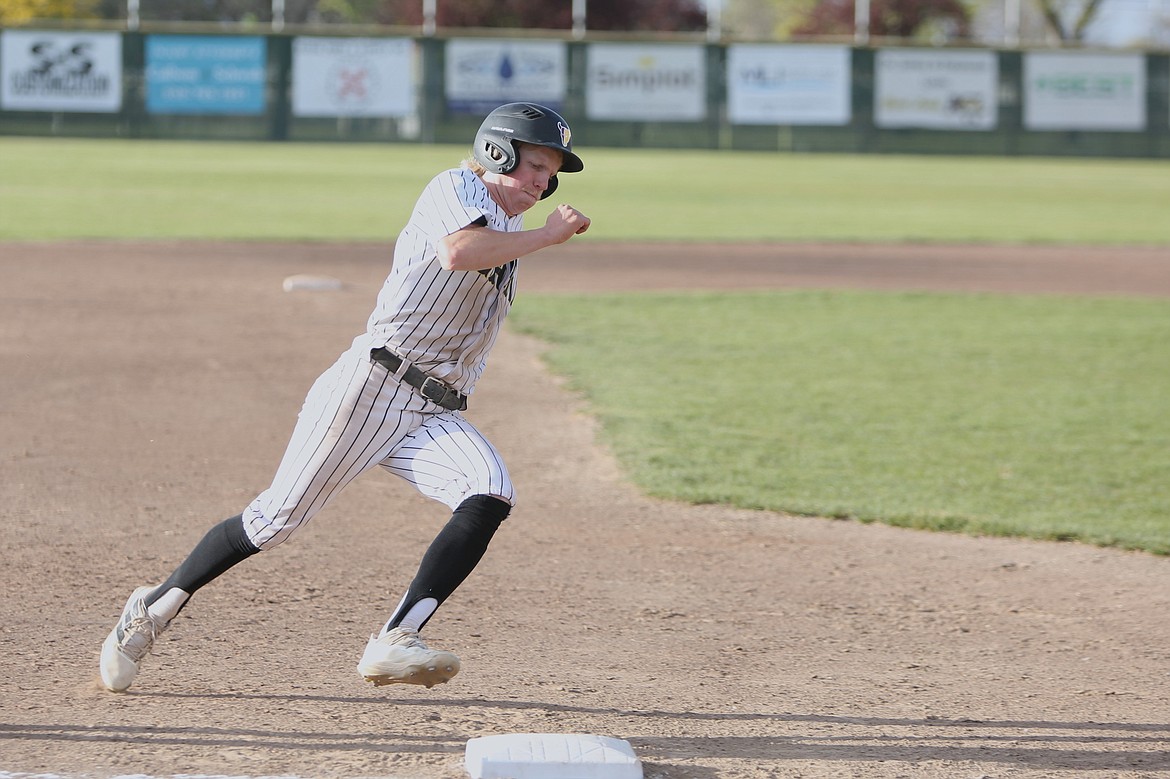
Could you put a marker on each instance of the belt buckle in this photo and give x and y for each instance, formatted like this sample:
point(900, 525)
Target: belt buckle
point(435, 391)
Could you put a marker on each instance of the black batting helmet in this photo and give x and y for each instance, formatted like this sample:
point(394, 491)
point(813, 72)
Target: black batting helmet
point(524, 123)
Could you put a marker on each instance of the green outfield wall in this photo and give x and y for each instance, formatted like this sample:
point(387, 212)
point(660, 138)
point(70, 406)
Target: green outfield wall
point(403, 88)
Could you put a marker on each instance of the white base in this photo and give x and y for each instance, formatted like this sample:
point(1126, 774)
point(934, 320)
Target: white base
point(311, 283)
point(551, 756)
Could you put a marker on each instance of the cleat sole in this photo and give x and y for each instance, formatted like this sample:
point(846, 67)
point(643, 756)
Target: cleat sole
point(427, 677)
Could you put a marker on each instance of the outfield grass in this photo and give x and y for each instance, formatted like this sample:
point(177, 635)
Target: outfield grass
point(1022, 416)
point(65, 188)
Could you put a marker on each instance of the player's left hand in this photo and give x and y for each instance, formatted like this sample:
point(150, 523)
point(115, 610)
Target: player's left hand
point(568, 221)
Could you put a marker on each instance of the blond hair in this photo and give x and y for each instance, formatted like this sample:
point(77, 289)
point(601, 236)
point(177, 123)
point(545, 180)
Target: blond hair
point(474, 165)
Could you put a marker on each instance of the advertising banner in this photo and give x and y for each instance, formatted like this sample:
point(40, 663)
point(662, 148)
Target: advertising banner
point(190, 74)
point(60, 71)
point(482, 74)
point(943, 90)
point(1084, 91)
point(777, 84)
point(353, 77)
point(639, 82)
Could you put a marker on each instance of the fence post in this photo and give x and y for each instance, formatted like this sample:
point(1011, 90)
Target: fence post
point(1011, 99)
point(865, 131)
point(432, 101)
point(1157, 104)
point(718, 130)
point(134, 83)
point(280, 76)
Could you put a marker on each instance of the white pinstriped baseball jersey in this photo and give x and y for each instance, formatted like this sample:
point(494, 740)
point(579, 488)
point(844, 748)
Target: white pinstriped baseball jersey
point(444, 322)
point(358, 416)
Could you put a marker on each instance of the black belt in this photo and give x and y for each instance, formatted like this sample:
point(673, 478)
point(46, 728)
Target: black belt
point(430, 388)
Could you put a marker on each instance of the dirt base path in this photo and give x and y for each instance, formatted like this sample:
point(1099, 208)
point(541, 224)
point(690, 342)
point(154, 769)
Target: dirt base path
point(148, 391)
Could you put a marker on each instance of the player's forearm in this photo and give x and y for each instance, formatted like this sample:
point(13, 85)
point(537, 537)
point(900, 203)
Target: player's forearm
point(479, 248)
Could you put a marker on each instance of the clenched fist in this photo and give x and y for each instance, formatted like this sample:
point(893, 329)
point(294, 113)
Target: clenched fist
point(566, 221)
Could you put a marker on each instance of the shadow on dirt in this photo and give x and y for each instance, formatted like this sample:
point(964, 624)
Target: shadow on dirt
point(1087, 746)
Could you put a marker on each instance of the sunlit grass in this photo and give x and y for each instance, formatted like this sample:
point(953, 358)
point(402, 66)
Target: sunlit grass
point(1040, 417)
point(67, 188)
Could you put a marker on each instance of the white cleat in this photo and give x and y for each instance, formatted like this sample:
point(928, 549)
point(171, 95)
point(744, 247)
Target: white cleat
point(129, 642)
point(401, 657)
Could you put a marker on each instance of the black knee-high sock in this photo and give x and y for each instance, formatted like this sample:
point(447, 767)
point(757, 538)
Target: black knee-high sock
point(222, 547)
point(453, 554)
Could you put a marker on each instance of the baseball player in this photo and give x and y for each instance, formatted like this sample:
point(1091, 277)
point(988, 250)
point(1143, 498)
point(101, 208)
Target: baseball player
point(393, 399)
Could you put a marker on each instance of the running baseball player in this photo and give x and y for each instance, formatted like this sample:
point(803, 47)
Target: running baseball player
point(394, 398)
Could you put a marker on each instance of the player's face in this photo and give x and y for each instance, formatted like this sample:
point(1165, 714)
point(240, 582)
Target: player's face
point(521, 189)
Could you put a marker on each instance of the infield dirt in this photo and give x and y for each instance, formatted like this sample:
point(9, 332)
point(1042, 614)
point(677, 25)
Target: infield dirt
point(149, 389)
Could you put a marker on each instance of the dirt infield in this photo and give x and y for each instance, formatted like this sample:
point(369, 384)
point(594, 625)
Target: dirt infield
point(149, 389)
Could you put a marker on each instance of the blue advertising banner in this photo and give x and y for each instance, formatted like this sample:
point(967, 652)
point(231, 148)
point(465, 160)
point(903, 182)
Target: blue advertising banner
point(195, 74)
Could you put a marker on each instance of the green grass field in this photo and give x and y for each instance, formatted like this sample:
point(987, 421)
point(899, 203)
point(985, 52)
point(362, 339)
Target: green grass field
point(1040, 417)
point(1003, 415)
point(58, 188)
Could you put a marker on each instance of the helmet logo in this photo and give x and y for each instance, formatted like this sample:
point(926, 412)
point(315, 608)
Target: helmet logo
point(566, 134)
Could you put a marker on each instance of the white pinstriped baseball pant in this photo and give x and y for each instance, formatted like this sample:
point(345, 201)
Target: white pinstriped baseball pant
point(355, 417)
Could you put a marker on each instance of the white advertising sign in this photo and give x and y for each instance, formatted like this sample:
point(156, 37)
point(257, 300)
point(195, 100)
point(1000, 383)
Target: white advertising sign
point(353, 77)
point(1084, 91)
point(944, 90)
point(483, 74)
point(776, 84)
point(61, 71)
point(639, 82)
